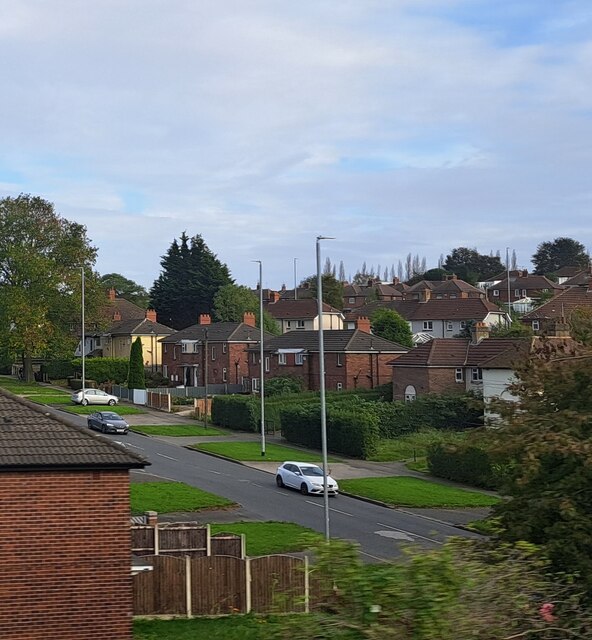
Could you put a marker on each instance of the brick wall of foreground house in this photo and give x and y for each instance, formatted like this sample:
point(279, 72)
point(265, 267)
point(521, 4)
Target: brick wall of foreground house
point(425, 380)
point(65, 561)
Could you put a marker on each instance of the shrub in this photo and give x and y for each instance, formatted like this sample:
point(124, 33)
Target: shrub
point(283, 385)
point(236, 412)
point(104, 369)
point(58, 369)
point(135, 374)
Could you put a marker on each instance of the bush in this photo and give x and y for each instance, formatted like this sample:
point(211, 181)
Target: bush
point(236, 412)
point(283, 385)
point(76, 384)
point(104, 369)
point(58, 369)
point(135, 372)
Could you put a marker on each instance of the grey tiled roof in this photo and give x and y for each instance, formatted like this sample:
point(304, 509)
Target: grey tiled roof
point(33, 439)
point(140, 327)
point(335, 340)
point(455, 309)
point(217, 332)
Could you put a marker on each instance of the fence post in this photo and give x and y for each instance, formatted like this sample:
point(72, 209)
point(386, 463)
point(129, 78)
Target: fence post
point(243, 546)
point(169, 402)
point(306, 587)
point(208, 541)
point(248, 585)
point(188, 602)
point(156, 541)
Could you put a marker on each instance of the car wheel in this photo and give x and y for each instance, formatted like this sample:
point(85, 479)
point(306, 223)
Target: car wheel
point(303, 489)
point(279, 481)
point(84, 402)
point(89, 424)
point(111, 403)
point(103, 428)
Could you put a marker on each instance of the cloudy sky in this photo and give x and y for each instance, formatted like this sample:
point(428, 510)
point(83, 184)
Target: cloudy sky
point(396, 126)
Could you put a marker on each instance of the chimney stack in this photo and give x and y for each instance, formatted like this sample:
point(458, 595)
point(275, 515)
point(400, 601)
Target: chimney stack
point(204, 318)
point(479, 331)
point(274, 296)
point(116, 316)
point(363, 324)
point(151, 315)
point(111, 294)
point(249, 319)
point(425, 295)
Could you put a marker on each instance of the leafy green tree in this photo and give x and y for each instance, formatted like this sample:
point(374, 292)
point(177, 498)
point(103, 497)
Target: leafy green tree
point(283, 385)
point(471, 266)
point(388, 324)
point(430, 274)
point(561, 252)
point(190, 278)
point(516, 329)
point(546, 435)
point(332, 289)
point(580, 324)
point(232, 301)
point(125, 288)
point(41, 256)
point(135, 375)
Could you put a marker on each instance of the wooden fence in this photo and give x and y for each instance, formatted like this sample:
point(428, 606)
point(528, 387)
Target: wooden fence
point(184, 539)
point(215, 585)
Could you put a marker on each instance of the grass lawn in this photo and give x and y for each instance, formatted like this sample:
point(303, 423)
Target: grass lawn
point(63, 398)
point(176, 430)
point(249, 451)
point(421, 464)
point(169, 497)
point(121, 409)
point(413, 445)
point(265, 538)
point(413, 492)
point(18, 386)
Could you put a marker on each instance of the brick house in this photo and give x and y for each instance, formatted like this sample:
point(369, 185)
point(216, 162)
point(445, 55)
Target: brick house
point(354, 358)
point(357, 295)
point(522, 285)
point(184, 352)
point(450, 288)
point(560, 307)
point(65, 570)
point(303, 314)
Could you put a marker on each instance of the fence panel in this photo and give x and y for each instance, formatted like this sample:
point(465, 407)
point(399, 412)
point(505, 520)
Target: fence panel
point(142, 540)
point(227, 544)
point(278, 584)
point(218, 585)
point(162, 590)
point(180, 540)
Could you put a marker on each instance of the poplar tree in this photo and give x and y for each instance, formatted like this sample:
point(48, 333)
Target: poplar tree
point(135, 374)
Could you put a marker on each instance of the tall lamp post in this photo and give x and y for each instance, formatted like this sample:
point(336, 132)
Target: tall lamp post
point(322, 384)
point(261, 358)
point(206, 377)
point(83, 337)
point(295, 281)
point(508, 278)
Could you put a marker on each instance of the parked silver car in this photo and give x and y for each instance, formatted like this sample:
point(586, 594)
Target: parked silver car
point(304, 476)
point(93, 396)
point(107, 422)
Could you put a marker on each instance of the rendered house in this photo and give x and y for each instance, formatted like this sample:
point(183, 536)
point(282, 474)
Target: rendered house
point(65, 566)
point(303, 315)
point(221, 347)
point(354, 358)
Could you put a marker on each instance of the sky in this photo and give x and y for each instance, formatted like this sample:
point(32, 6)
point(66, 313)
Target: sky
point(394, 126)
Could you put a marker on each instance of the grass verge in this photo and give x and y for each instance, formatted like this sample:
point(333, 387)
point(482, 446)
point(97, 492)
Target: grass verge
point(170, 497)
point(413, 445)
point(265, 538)
point(122, 410)
point(57, 398)
point(176, 430)
point(251, 451)
point(413, 492)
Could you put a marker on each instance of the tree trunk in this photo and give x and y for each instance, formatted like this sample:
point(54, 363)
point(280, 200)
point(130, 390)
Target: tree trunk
point(28, 375)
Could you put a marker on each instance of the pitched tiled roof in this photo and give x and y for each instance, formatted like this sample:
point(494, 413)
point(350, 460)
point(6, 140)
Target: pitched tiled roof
point(445, 309)
point(527, 282)
point(128, 310)
point(143, 327)
point(335, 340)
point(582, 278)
point(305, 308)
point(33, 439)
point(364, 290)
point(562, 305)
point(217, 332)
point(568, 272)
point(302, 293)
point(454, 285)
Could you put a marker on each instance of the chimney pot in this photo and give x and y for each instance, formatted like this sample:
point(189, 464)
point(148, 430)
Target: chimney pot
point(249, 319)
point(363, 324)
point(479, 331)
point(204, 318)
point(151, 315)
point(111, 294)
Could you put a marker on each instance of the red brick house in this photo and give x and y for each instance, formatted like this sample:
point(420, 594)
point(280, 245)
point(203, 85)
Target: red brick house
point(65, 566)
point(354, 358)
point(560, 307)
point(184, 352)
point(357, 295)
point(449, 288)
point(522, 285)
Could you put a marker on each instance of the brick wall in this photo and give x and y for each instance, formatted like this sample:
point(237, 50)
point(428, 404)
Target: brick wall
point(65, 561)
point(425, 380)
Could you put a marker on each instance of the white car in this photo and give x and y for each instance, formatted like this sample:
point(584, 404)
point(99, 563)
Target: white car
point(93, 396)
point(304, 476)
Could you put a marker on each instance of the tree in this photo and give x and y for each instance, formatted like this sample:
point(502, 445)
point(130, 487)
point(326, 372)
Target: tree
point(342, 277)
point(516, 330)
point(580, 325)
point(41, 255)
point(546, 436)
point(561, 252)
point(471, 266)
point(232, 301)
point(332, 289)
point(190, 278)
point(135, 374)
point(388, 324)
point(125, 288)
point(430, 274)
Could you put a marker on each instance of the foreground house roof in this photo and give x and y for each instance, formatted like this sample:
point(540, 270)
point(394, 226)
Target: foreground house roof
point(33, 439)
point(335, 340)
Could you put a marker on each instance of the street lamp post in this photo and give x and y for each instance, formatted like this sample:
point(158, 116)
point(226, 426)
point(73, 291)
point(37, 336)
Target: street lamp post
point(322, 384)
point(206, 378)
point(83, 337)
point(295, 281)
point(261, 358)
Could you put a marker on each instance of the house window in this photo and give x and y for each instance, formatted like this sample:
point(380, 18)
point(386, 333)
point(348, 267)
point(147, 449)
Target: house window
point(439, 296)
point(213, 353)
point(98, 339)
point(281, 358)
point(266, 364)
point(476, 374)
point(452, 296)
point(254, 358)
point(536, 325)
point(255, 384)
point(352, 300)
point(165, 370)
point(516, 293)
point(224, 378)
point(524, 293)
point(288, 324)
point(428, 325)
point(496, 293)
point(174, 353)
point(300, 324)
point(183, 347)
point(449, 325)
point(299, 359)
point(545, 290)
point(463, 324)
point(339, 363)
point(339, 386)
point(223, 347)
point(458, 375)
point(166, 348)
point(410, 393)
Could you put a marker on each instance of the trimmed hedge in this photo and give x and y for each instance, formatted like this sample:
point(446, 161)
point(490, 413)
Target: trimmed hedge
point(104, 369)
point(469, 463)
point(349, 432)
point(236, 412)
point(58, 369)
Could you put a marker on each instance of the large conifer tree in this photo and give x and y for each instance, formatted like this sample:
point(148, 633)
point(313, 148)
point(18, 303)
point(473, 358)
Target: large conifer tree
point(135, 376)
point(190, 278)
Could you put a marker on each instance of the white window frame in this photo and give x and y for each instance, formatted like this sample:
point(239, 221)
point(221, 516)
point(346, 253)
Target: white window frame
point(428, 325)
point(459, 375)
point(339, 386)
point(476, 374)
point(524, 293)
point(282, 359)
point(213, 353)
point(223, 347)
point(299, 359)
point(299, 324)
point(449, 325)
point(224, 375)
point(496, 293)
point(352, 300)
point(463, 324)
point(288, 324)
point(255, 384)
point(338, 360)
point(516, 293)
point(267, 367)
point(536, 325)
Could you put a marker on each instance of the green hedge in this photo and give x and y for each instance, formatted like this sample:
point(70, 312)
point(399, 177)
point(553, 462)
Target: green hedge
point(349, 432)
point(236, 412)
point(104, 369)
point(58, 369)
point(469, 463)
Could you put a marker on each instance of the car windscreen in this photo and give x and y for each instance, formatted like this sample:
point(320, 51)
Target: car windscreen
point(311, 471)
point(108, 415)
